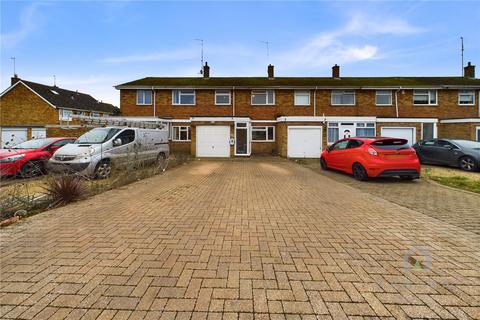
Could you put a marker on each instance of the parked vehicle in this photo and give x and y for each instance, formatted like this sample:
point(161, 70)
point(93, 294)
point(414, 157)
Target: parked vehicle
point(29, 158)
point(97, 151)
point(372, 157)
point(464, 154)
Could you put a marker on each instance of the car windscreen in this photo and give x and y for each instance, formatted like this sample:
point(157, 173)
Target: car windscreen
point(467, 144)
point(97, 135)
point(391, 144)
point(33, 144)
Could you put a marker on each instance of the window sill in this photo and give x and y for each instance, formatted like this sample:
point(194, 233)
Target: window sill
point(223, 104)
point(425, 105)
point(143, 104)
point(466, 105)
point(342, 105)
point(183, 105)
point(384, 105)
point(263, 141)
point(302, 105)
point(262, 105)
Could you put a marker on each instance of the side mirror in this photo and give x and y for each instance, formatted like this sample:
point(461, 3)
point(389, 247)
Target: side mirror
point(117, 142)
point(329, 148)
point(53, 148)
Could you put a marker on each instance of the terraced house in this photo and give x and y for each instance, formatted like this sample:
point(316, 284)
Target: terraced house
point(298, 116)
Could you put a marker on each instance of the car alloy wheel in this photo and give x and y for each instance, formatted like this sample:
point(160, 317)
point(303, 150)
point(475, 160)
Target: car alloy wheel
point(323, 164)
point(467, 164)
point(359, 172)
point(31, 169)
point(103, 170)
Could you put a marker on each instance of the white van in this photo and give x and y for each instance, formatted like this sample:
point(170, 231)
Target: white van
point(95, 152)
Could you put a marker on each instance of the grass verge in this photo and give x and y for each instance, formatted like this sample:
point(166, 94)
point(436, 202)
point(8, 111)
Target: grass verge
point(469, 181)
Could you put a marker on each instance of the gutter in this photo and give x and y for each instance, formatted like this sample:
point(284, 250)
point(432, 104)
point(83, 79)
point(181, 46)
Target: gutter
point(233, 101)
point(154, 103)
point(396, 100)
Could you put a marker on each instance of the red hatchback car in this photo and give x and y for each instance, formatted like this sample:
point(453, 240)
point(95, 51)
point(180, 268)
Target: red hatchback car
point(372, 157)
point(28, 159)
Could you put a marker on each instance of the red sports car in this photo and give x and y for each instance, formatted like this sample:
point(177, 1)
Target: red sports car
point(372, 157)
point(28, 159)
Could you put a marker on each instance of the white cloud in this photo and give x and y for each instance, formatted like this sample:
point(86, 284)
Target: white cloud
point(342, 45)
point(28, 23)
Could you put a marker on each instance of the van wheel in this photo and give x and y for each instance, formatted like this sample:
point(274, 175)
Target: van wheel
point(31, 169)
point(162, 161)
point(468, 164)
point(359, 172)
point(323, 164)
point(103, 169)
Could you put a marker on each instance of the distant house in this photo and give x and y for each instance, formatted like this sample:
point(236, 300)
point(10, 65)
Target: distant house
point(32, 110)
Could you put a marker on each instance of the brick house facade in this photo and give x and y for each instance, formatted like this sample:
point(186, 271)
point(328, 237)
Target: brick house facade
point(297, 117)
point(32, 110)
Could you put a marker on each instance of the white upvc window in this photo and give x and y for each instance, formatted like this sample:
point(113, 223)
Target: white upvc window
point(65, 115)
point(302, 97)
point(343, 97)
point(425, 97)
point(333, 132)
point(466, 97)
point(181, 133)
point(365, 129)
point(183, 97)
point(263, 134)
point(144, 97)
point(223, 97)
point(95, 114)
point(383, 97)
point(263, 97)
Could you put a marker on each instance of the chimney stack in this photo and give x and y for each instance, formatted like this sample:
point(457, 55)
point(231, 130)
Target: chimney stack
point(206, 71)
point(336, 71)
point(469, 70)
point(14, 79)
point(270, 72)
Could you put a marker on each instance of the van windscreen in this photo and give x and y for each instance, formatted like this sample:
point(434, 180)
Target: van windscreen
point(391, 144)
point(97, 135)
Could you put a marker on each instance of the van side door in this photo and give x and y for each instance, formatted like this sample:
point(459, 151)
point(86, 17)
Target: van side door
point(124, 147)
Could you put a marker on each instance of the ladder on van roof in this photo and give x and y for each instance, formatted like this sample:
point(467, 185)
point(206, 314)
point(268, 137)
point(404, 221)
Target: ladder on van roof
point(122, 122)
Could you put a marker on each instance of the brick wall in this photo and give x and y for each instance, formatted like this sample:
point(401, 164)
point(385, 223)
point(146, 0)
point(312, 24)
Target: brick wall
point(66, 132)
point(458, 130)
point(21, 107)
point(284, 106)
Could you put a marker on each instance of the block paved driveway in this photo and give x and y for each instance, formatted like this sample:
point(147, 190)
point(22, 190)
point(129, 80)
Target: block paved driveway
point(238, 239)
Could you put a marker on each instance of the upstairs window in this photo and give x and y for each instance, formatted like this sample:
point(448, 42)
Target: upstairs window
point(425, 97)
point(466, 97)
point(302, 98)
point(222, 97)
point(263, 97)
point(261, 134)
point(183, 97)
point(343, 97)
point(144, 97)
point(383, 98)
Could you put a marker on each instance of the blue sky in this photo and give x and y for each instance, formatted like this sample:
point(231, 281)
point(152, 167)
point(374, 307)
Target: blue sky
point(91, 46)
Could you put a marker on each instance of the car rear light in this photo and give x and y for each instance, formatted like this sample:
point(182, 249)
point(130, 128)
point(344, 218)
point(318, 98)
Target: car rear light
point(372, 151)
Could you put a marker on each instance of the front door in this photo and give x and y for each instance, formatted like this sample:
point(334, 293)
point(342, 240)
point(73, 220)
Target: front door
point(242, 139)
point(347, 130)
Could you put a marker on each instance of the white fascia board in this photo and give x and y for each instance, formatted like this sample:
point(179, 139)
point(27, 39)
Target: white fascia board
point(264, 121)
point(139, 118)
point(350, 119)
point(20, 81)
point(180, 120)
point(465, 120)
point(413, 120)
point(220, 119)
point(300, 119)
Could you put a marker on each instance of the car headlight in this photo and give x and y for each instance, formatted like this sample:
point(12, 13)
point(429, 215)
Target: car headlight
point(12, 158)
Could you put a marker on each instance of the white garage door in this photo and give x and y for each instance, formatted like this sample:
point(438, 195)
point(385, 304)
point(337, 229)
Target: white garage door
point(304, 141)
point(13, 136)
point(213, 141)
point(39, 133)
point(404, 133)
